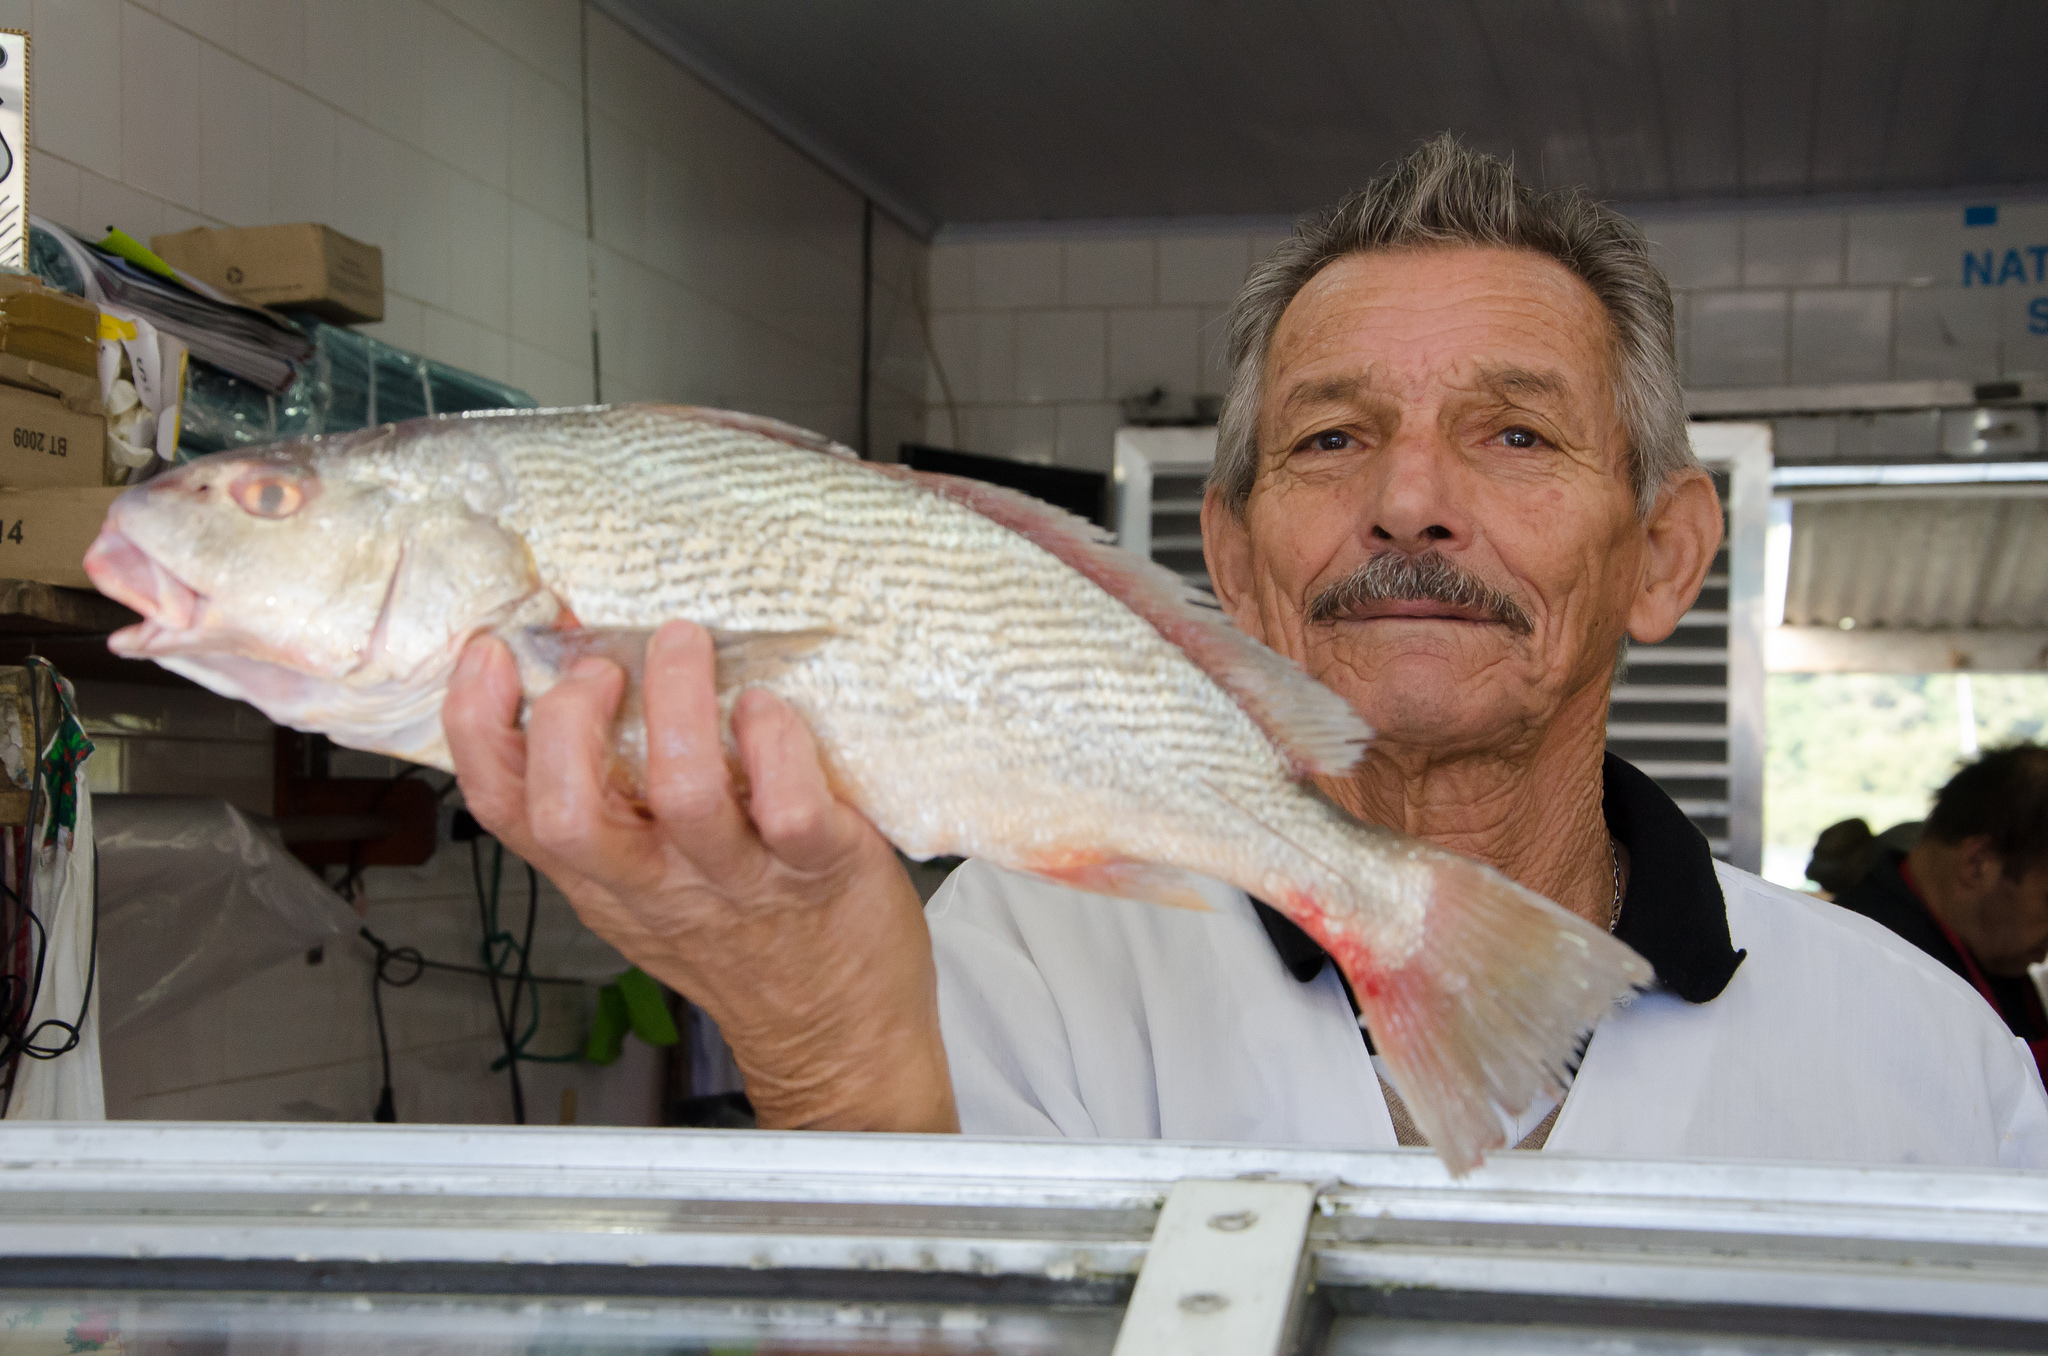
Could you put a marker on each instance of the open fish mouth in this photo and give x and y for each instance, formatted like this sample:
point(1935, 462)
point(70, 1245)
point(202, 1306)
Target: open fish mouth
point(171, 609)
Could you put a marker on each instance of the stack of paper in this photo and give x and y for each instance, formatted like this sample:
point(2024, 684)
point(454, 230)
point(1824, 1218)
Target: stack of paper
point(249, 342)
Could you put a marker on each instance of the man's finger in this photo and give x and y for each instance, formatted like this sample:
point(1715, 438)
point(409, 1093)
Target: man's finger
point(792, 805)
point(572, 812)
point(480, 717)
point(689, 786)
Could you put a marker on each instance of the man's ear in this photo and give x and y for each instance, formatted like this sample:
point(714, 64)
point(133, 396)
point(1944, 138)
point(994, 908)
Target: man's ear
point(1227, 551)
point(1977, 867)
point(1684, 532)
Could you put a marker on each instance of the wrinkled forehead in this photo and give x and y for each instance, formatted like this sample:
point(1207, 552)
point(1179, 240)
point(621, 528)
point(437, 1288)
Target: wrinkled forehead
point(1422, 324)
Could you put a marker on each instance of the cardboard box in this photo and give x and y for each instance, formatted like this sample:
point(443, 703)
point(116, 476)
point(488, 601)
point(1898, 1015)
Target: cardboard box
point(79, 394)
point(44, 533)
point(304, 266)
point(45, 446)
point(39, 324)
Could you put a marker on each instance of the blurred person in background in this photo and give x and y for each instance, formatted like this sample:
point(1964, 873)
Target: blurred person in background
point(1973, 890)
point(1846, 851)
point(1841, 855)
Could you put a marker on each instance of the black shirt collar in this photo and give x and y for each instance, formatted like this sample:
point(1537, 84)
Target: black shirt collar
point(1673, 913)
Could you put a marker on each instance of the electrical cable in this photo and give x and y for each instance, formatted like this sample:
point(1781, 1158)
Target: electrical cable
point(487, 914)
point(92, 964)
point(19, 1039)
point(380, 976)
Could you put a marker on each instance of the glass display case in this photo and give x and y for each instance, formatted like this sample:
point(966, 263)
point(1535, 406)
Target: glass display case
point(261, 1239)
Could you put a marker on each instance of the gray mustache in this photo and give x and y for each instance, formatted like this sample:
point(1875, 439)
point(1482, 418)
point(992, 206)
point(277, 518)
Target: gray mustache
point(1392, 577)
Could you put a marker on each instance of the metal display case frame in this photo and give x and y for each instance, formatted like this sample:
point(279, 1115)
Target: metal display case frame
point(1203, 1247)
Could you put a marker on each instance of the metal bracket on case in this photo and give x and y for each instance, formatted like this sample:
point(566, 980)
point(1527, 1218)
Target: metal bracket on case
point(1225, 1273)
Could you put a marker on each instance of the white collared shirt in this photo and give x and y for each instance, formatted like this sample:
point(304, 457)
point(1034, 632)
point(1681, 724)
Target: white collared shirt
point(1081, 1015)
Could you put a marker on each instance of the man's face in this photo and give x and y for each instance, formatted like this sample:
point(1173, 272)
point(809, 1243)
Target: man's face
point(1451, 407)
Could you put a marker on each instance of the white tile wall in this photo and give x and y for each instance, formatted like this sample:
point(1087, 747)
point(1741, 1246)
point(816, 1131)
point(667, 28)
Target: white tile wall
point(1078, 323)
point(1154, 348)
point(1738, 338)
point(1060, 355)
point(1841, 335)
point(449, 133)
point(1010, 273)
point(1194, 269)
point(1760, 299)
point(1703, 252)
point(1109, 272)
point(1801, 250)
point(1947, 332)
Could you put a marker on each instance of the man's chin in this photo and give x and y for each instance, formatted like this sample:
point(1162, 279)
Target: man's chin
point(1437, 690)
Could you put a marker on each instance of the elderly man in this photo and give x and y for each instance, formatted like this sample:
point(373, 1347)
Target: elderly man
point(1452, 477)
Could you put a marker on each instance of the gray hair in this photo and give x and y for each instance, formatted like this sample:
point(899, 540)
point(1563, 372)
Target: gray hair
point(1443, 194)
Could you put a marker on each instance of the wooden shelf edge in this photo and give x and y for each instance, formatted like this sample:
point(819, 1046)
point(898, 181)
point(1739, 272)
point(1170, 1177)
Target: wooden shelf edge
point(30, 607)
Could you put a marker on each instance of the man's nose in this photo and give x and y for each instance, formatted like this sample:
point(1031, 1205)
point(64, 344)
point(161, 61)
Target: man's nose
point(1410, 494)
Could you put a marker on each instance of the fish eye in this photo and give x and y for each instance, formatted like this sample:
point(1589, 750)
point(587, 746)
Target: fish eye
point(269, 494)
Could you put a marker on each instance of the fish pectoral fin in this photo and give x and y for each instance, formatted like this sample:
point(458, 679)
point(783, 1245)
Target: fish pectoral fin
point(545, 653)
point(756, 656)
point(1125, 878)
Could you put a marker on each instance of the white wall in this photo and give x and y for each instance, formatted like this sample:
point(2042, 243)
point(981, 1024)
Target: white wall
point(450, 134)
point(1037, 337)
point(1040, 333)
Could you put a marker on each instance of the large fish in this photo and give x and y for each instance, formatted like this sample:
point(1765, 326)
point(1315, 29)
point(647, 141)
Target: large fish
point(984, 675)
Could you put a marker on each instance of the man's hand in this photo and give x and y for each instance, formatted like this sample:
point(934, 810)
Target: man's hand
point(782, 913)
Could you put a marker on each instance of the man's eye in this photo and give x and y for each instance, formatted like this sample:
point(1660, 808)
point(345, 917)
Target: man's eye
point(1521, 439)
point(1330, 440)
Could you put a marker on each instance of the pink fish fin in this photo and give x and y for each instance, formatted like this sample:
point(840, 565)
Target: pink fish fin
point(767, 428)
point(1487, 1010)
point(1102, 874)
point(545, 653)
point(1313, 726)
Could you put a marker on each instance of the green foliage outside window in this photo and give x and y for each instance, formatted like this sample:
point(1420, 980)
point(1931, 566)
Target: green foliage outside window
point(1875, 745)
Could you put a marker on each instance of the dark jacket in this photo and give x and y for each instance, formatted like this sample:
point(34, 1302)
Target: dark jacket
point(1886, 896)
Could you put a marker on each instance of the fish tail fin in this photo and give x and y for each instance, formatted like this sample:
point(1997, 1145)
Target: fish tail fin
point(1487, 1009)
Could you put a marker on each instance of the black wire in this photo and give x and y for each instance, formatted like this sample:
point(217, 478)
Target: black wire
point(481, 973)
point(505, 1030)
point(16, 1036)
point(380, 975)
point(92, 966)
point(519, 985)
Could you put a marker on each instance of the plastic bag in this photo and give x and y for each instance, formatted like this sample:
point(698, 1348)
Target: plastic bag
point(194, 895)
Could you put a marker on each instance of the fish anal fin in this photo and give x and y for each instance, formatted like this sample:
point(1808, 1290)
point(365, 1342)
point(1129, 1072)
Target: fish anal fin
point(757, 656)
point(1488, 1007)
point(1125, 878)
point(1313, 726)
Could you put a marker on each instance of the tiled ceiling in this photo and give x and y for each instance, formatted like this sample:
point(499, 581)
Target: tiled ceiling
point(1012, 110)
point(1899, 558)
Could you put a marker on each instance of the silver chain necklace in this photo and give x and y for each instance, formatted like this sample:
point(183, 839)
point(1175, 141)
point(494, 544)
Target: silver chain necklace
point(1614, 857)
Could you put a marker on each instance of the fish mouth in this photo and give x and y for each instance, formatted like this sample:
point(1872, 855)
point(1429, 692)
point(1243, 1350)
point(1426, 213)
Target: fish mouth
point(170, 608)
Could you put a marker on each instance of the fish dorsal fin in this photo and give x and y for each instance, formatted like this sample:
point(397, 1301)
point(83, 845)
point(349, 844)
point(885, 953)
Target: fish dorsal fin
point(1313, 726)
point(767, 428)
